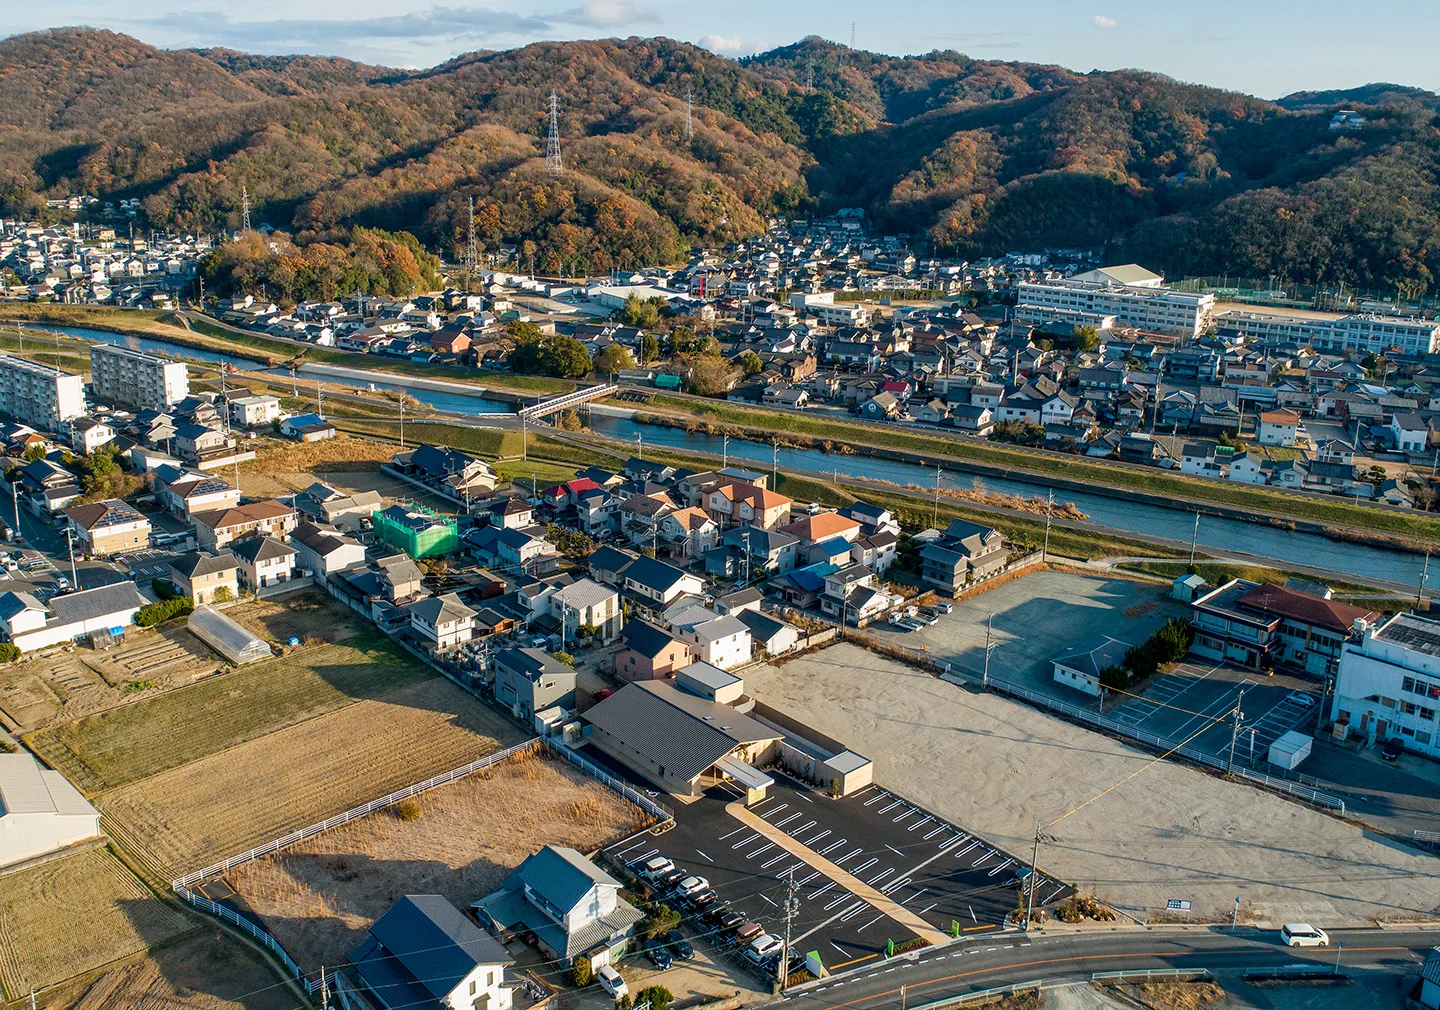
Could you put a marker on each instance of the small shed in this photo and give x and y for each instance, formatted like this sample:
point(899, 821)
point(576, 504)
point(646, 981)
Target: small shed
point(1188, 588)
point(1290, 749)
point(849, 772)
point(229, 638)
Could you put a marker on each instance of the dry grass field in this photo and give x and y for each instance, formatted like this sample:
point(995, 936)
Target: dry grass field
point(319, 897)
point(223, 803)
point(206, 971)
point(128, 743)
point(344, 452)
point(297, 615)
point(75, 914)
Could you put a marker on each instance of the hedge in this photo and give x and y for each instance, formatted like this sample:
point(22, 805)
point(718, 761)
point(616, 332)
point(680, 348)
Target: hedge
point(158, 613)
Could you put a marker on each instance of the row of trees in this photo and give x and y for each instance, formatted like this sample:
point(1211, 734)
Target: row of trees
point(1169, 644)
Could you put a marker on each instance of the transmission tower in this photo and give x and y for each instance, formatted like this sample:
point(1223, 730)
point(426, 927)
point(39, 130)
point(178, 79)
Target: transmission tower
point(244, 208)
point(852, 34)
point(553, 164)
point(689, 115)
point(472, 249)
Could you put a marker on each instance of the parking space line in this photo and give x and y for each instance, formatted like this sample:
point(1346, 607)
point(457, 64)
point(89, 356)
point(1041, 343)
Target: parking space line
point(766, 898)
point(820, 890)
point(880, 876)
point(960, 852)
point(807, 878)
point(837, 901)
point(769, 813)
point(1053, 893)
point(972, 914)
point(890, 806)
point(815, 838)
point(764, 848)
point(772, 862)
point(876, 799)
point(894, 885)
point(870, 923)
point(921, 824)
point(833, 846)
point(915, 895)
point(705, 854)
point(741, 844)
point(936, 831)
point(893, 849)
point(729, 833)
point(926, 909)
point(987, 855)
point(864, 866)
point(804, 827)
point(852, 855)
point(1000, 867)
point(859, 907)
point(793, 817)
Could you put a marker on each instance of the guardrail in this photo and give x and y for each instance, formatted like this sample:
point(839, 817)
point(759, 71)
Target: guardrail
point(1296, 971)
point(1145, 974)
point(1430, 838)
point(985, 995)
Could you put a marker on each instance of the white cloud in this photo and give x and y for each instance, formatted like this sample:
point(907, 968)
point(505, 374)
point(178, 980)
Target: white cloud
point(608, 14)
point(721, 44)
point(444, 24)
point(1105, 23)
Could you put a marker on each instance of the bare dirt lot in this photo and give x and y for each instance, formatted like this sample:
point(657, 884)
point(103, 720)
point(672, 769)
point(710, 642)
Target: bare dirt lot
point(319, 897)
point(206, 971)
point(299, 615)
point(1163, 831)
point(221, 804)
point(74, 914)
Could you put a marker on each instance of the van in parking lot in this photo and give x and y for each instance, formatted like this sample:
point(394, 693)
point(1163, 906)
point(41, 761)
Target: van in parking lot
point(1302, 934)
point(763, 948)
point(611, 981)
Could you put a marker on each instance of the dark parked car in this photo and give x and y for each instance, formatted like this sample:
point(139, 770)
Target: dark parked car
point(678, 945)
point(729, 922)
point(1392, 749)
point(658, 955)
point(714, 913)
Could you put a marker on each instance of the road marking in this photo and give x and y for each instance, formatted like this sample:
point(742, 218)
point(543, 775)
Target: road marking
point(891, 806)
point(894, 850)
point(894, 885)
point(744, 842)
point(916, 895)
point(876, 799)
point(921, 824)
point(805, 798)
point(842, 950)
point(767, 814)
point(704, 854)
point(880, 876)
point(837, 901)
point(936, 831)
point(808, 877)
point(960, 852)
point(989, 949)
point(767, 846)
point(778, 859)
point(766, 897)
point(972, 915)
point(821, 890)
point(863, 866)
point(793, 817)
point(804, 827)
point(859, 907)
point(909, 813)
point(1000, 867)
point(811, 841)
point(729, 833)
point(871, 922)
point(988, 854)
point(1052, 896)
point(833, 846)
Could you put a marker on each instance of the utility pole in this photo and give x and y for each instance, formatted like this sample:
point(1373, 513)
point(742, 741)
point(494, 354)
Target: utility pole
point(1424, 577)
point(985, 676)
point(525, 437)
point(70, 538)
point(774, 463)
point(1030, 881)
point(319, 401)
point(792, 908)
point(725, 451)
point(935, 512)
point(1235, 731)
point(1049, 509)
point(639, 446)
point(244, 208)
point(324, 990)
point(402, 424)
point(15, 501)
point(1195, 537)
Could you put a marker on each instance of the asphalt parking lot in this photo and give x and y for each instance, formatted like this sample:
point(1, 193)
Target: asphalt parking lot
point(951, 880)
point(1198, 699)
point(1035, 619)
point(148, 565)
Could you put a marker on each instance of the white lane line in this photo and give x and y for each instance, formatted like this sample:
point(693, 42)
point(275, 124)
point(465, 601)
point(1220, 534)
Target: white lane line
point(704, 854)
point(778, 859)
point(729, 833)
point(810, 842)
point(865, 865)
point(894, 850)
point(767, 898)
point(744, 842)
point(891, 806)
point(909, 813)
point(770, 813)
point(793, 817)
point(844, 896)
point(870, 923)
point(880, 876)
point(833, 846)
point(877, 798)
point(926, 909)
point(764, 848)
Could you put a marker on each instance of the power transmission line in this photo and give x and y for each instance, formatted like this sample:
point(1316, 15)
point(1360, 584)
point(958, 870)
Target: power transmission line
point(553, 163)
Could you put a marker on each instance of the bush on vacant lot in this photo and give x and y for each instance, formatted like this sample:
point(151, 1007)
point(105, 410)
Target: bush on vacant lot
point(8, 652)
point(158, 613)
point(657, 996)
point(407, 810)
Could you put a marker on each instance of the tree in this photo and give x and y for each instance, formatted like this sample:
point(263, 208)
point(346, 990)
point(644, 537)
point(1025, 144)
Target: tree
point(648, 552)
point(641, 312)
point(750, 361)
point(582, 973)
point(708, 374)
point(564, 357)
point(564, 657)
point(649, 348)
point(657, 996)
point(34, 452)
point(1086, 338)
point(572, 543)
point(613, 358)
point(661, 920)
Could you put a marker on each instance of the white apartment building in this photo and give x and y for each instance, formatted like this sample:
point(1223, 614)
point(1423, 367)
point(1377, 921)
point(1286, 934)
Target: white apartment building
point(42, 396)
point(137, 379)
point(1154, 309)
point(1360, 332)
point(1388, 684)
point(823, 307)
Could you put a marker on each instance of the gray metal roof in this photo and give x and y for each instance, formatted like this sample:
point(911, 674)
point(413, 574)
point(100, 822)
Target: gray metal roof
point(678, 731)
point(26, 788)
point(89, 604)
point(434, 943)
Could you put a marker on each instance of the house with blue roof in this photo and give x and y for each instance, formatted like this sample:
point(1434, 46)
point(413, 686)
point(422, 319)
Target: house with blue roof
point(571, 905)
point(424, 954)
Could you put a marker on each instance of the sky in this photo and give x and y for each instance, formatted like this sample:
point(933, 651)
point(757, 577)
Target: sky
point(1266, 48)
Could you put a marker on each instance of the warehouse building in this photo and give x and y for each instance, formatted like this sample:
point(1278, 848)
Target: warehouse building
point(39, 811)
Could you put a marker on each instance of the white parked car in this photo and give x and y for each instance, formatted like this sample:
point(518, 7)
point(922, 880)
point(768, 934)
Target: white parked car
point(763, 948)
point(611, 981)
point(944, 607)
point(1301, 698)
point(692, 885)
point(1302, 934)
point(656, 867)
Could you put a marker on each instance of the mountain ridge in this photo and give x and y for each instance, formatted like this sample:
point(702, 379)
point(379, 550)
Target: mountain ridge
point(971, 157)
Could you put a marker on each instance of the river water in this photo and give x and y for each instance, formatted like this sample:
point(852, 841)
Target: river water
point(1117, 513)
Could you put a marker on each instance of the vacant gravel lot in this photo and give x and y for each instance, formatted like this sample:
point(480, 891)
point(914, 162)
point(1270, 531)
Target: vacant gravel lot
point(996, 767)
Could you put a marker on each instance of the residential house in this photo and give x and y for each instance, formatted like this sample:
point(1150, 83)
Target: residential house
point(87, 434)
point(608, 564)
point(1278, 427)
point(254, 411)
point(723, 642)
point(423, 954)
point(741, 503)
point(29, 624)
point(1260, 626)
point(108, 527)
point(745, 551)
point(1199, 458)
point(529, 680)
point(1410, 431)
point(880, 407)
point(443, 622)
point(206, 578)
point(965, 554)
point(586, 603)
point(570, 905)
point(771, 635)
point(184, 492)
point(325, 550)
point(346, 511)
point(216, 528)
point(264, 561)
point(852, 595)
point(1248, 468)
point(688, 532)
point(653, 585)
point(648, 653)
point(307, 428)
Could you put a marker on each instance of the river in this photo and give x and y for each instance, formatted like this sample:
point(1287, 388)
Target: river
point(1117, 513)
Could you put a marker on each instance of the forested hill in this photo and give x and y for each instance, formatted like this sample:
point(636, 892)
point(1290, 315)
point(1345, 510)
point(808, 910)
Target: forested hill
point(970, 156)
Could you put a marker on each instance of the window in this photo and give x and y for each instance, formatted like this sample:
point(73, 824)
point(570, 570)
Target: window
point(1422, 737)
point(472, 987)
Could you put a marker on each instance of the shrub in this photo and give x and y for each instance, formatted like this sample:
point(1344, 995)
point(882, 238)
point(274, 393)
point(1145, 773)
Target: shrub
point(407, 810)
point(158, 613)
point(565, 657)
point(9, 652)
point(223, 595)
point(661, 920)
point(657, 996)
point(581, 973)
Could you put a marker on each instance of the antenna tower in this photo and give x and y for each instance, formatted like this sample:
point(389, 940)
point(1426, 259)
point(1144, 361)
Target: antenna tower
point(472, 249)
point(244, 208)
point(852, 34)
point(553, 164)
point(689, 114)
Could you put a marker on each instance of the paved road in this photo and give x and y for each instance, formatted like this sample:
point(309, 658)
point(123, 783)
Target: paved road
point(981, 964)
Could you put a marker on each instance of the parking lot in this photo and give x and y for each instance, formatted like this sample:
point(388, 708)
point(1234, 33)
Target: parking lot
point(1035, 619)
point(928, 867)
point(1198, 699)
point(148, 565)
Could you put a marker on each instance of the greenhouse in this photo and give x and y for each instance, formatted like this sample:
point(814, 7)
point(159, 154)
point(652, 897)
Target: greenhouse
point(417, 531)
point(226, 637)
